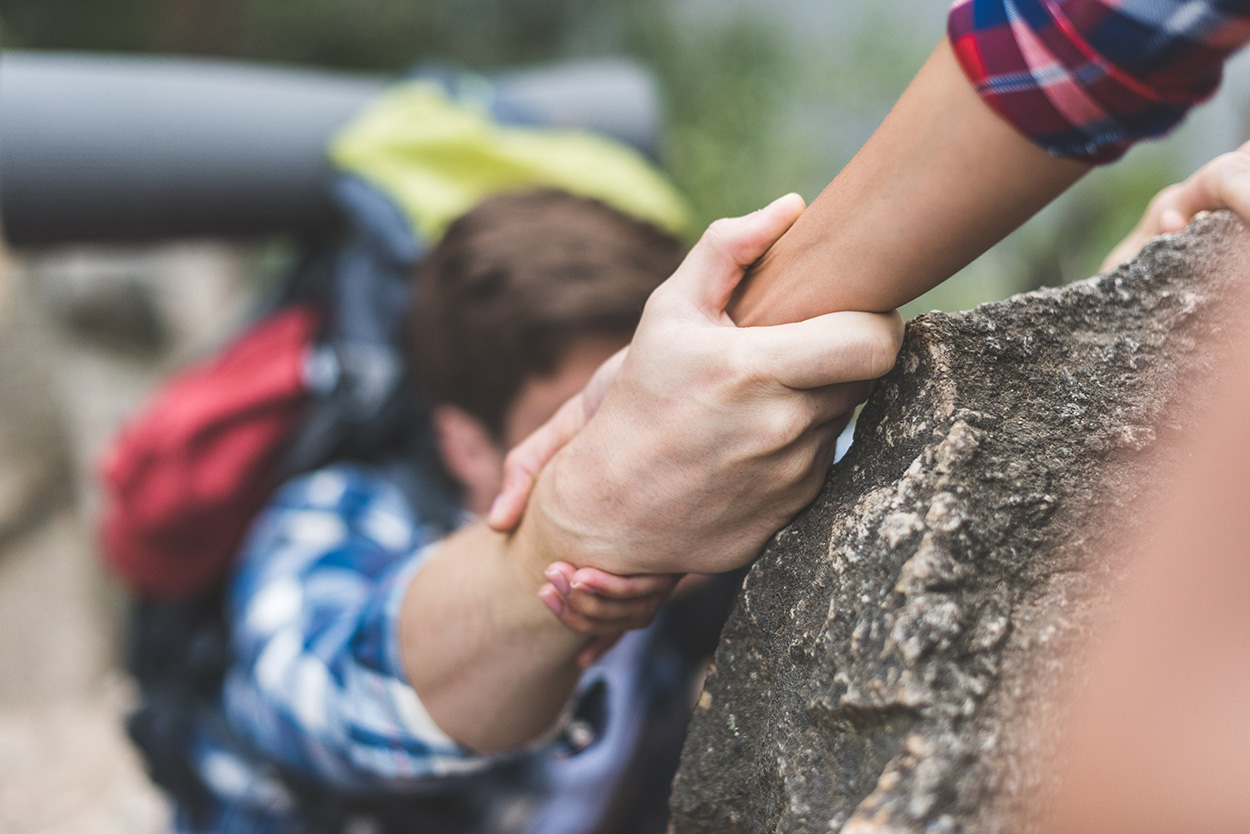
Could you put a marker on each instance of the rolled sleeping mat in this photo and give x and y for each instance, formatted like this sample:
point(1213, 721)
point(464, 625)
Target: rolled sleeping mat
point(124, 148)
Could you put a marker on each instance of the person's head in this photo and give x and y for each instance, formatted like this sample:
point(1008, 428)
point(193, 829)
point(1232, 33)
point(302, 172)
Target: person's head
point(522, 299)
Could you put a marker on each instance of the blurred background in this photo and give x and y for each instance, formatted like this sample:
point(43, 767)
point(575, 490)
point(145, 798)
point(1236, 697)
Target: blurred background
point(759, 99)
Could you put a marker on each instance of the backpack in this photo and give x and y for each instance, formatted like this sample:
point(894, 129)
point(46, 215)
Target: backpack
point(317, 377)
point(321, 376)
point(188, 474)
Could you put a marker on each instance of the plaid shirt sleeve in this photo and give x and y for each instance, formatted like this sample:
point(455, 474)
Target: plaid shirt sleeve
point(317, 682)
point(1086, 79)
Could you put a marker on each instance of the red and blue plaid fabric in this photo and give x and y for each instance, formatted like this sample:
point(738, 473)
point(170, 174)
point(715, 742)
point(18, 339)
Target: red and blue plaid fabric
point(1086, 79)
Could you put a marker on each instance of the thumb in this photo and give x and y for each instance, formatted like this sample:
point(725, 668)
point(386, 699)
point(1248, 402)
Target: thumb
point(716, 264)
point(597, 388)
point(527, 458)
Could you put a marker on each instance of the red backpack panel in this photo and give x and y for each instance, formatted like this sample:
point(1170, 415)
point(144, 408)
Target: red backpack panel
point(186, 476)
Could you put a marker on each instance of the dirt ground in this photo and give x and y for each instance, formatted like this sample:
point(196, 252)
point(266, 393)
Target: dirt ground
point(84, 336)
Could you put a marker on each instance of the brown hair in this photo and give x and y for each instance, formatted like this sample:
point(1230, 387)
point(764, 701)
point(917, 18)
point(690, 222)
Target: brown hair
point(516, 281)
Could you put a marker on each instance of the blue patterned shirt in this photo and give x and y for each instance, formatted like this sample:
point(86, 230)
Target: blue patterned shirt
point(318, 721)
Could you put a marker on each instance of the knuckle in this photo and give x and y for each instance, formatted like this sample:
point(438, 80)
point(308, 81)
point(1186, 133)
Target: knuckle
point(744, 366)
point(656, 301)
point(783, 426)
point(874, 348)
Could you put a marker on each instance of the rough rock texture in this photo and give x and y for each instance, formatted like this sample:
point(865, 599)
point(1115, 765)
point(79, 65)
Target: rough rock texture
point(898, 655)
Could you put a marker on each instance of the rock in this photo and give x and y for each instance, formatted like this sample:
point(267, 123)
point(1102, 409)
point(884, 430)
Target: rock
point(34, 463)
point(898, 658)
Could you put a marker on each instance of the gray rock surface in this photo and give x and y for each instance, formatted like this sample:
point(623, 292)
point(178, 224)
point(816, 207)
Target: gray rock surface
point(899, 656)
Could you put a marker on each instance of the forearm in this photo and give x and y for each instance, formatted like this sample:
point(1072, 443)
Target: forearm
point(942, 180)
point(489, 662)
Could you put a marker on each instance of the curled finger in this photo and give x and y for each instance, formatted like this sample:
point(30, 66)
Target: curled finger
point(623, 587)
point(825, 350)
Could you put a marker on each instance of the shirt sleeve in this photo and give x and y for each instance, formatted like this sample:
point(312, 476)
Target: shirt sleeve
point(1086, 79)
point(317, 682)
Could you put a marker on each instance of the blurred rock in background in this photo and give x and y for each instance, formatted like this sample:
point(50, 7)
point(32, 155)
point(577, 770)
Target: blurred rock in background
point(85, 334)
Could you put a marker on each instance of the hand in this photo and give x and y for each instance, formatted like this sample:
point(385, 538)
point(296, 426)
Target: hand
point(603, 605)
point(527, 458)
point(711, 436)
point(1223, 183)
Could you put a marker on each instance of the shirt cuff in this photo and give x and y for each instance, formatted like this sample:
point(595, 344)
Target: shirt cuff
point(1037, 68)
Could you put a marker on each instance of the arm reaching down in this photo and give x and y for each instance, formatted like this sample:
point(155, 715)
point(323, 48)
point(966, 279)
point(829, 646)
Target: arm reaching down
point(941, 180)
point(672, 453)
point(1004, 116)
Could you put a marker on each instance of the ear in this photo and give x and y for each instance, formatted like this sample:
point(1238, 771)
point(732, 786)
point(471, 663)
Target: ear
point(470, 453)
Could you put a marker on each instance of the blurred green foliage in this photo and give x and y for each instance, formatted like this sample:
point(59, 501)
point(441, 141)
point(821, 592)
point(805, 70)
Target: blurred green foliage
point(756, 108)
point(364, 34)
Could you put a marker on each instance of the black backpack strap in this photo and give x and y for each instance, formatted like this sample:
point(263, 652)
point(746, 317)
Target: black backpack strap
point(177, 653)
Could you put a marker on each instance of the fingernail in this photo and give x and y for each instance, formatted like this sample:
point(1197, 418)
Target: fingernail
point(557, 579)
point(551, 599)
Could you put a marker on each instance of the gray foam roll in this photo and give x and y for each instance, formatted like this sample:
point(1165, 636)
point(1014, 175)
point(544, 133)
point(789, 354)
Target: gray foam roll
point(104, 147)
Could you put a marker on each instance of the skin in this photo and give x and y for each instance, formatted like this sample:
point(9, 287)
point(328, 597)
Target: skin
point(474, 456)
point(1223, 183)
point(941, 180)
point(472, 625)
point(1159, 739)
point(943, 173)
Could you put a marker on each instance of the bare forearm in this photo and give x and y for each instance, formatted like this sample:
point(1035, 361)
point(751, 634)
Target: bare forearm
point(942, 180)
point(490, 663)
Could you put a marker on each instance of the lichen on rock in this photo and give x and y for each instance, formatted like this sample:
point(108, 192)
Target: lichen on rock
point(899, 655)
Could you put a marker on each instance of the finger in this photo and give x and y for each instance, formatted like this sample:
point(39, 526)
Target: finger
point(1171, 220)
point(597, 388)
point(825, 350)
point(551, 598)
point(606, 610)
point(560, 574)
point(526, 460)
point(808, 467)
point(832, 403)
point(614, 586)
point(596, 627)
point(1224, 183)
point(716, 264)
point(597, 649)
